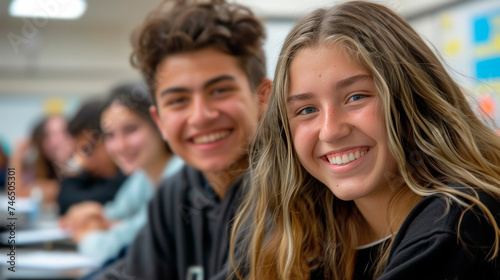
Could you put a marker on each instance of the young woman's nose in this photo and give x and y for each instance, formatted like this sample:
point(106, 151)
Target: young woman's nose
point(118, 143)
point(334, 125)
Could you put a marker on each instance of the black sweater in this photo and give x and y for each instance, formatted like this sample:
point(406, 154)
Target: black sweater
point(427, 245)
point(84, 187)
point(186, 235)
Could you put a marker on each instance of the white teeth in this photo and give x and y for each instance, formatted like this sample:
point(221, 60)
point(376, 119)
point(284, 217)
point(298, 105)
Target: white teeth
point(211, 137)
point(339, 160)
point(345, 158)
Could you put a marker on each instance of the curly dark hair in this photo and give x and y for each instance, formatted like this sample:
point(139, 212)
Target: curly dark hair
point(178, 26)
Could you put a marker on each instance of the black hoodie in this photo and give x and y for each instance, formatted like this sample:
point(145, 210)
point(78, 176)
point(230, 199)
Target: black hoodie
point(187, 234)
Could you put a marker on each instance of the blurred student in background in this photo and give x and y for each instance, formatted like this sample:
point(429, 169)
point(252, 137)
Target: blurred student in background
point(134, 143)
point(4, 159)
point(94, 176)
point(41, 161)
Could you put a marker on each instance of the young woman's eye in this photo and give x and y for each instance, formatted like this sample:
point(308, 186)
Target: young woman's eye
point(356, 97)
point(307, 111)
point(130, 129)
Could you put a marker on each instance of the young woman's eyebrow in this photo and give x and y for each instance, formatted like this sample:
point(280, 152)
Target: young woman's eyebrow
point(340, 85)
point(299, 97)
point(351, 80)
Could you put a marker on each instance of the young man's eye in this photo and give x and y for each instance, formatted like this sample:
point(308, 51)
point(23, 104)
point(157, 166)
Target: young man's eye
point(307, 111)
point(176, 101)
point(221, 90)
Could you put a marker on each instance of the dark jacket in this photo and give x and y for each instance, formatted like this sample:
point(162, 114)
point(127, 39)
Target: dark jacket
point(84, 187)
point(427, 244)
point(187, 234)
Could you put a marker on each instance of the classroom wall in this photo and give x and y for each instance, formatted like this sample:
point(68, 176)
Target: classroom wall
point(68, 70)
point(468, 38)
point(53, 73)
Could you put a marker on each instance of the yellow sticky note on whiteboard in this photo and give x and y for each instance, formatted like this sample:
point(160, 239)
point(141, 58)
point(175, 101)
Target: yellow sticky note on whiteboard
point(453, 47)
point(54, 106)
point(446, 21)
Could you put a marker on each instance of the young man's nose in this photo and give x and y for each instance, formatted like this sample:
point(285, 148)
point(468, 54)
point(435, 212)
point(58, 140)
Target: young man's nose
point(203, 112)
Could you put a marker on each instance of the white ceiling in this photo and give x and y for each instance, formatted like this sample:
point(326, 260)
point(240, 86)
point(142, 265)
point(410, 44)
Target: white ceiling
point(117, 11)
point(293, 8)
point(91, 53)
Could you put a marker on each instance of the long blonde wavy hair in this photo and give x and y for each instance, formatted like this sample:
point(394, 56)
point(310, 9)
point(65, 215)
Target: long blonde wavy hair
point(290, 222)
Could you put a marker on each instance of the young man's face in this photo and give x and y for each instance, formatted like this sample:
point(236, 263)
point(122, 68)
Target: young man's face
point(206, 110)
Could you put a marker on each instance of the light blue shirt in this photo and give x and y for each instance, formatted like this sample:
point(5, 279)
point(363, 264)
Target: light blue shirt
point(129, 207)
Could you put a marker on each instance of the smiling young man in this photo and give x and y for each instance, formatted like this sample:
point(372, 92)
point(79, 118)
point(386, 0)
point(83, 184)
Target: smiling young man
point(205, 67)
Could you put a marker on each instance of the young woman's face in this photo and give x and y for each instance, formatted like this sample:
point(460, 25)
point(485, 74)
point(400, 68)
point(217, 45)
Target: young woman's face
point(130, 140)
point(206, 109)
point(337, 124)
point(57, 144)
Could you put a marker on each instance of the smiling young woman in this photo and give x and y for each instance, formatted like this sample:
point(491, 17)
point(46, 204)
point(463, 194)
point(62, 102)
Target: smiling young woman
point(368, 163)
point(135, 145)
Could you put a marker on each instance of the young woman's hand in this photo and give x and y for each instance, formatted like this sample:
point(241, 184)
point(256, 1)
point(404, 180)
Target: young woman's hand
point(92, 224)
point(81, 214)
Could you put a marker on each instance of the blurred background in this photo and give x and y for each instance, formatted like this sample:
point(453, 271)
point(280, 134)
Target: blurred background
point(49, 65)
point(56, 54)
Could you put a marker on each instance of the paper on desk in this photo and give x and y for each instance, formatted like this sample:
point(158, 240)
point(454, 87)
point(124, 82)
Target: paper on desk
point(24, 237)
point(20, 204)
point(52, 260)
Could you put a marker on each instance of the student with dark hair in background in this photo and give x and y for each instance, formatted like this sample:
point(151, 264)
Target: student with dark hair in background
point(134, 143)
point(3, 167)
point(41, 161)
point(205, 67)
point(96, 177)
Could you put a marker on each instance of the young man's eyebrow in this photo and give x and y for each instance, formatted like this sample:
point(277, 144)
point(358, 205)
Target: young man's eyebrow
point(218, 79)
point(351, 80)
point(173, 90)
point(205, 85)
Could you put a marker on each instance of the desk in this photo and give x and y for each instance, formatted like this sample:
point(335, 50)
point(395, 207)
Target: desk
point(41, 251)
point(39, 274)
point(50, 265)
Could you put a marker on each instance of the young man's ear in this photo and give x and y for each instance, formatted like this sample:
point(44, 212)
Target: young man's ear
point(156, 117)
point(263, 92)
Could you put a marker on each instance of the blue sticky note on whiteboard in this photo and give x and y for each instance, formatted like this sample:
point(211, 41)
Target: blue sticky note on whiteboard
point(481, 30)
point(489, 68)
